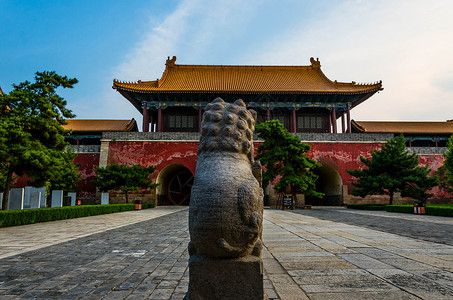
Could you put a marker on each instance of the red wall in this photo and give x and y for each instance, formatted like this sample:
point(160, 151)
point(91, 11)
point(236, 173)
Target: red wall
point(435, 162)
point(340, 156)
point(87, 161)
point(158, 154)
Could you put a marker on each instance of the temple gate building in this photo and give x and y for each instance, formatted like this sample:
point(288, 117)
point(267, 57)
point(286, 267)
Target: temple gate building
point(302, 98)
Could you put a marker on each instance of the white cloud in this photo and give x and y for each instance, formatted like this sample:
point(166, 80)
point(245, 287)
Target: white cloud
point(190, 32)
point(406, 44)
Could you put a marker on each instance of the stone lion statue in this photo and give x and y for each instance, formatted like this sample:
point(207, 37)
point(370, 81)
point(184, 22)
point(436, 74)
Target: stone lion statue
point(226, 206)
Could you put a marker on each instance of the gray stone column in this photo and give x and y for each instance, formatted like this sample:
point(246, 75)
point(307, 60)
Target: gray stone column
point(103, 157)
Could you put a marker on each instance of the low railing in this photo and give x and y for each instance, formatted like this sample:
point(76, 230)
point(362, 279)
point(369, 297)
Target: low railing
point(305, 137)
point(195, 136)
point(86, 148)
point(151, 136)
point(427, 150)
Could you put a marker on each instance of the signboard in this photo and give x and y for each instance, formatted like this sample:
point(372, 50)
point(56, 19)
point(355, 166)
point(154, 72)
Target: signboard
point(287, 201)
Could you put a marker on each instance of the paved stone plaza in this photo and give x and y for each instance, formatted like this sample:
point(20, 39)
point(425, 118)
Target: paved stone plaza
point(324, 253)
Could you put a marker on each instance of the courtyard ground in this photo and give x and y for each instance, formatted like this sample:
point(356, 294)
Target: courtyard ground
point(323, 253)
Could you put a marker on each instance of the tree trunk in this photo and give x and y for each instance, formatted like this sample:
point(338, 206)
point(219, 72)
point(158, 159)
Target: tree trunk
point(7, 187)
point(391, 197)
point(294, 197)
point(127, 200)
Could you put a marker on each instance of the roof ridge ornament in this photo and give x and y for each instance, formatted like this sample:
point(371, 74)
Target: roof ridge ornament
point(316, 64)
point(170, 62)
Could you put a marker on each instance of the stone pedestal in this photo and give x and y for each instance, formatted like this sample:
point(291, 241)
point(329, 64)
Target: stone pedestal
point(35, 199)
point(57, 198)
point(43, 201)
point(240, 278)
point(16, 199)
point(73, 197)
point(104, 198)
point(27, 196)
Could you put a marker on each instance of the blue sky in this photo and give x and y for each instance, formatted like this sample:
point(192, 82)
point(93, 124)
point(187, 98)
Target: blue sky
point(406, 44)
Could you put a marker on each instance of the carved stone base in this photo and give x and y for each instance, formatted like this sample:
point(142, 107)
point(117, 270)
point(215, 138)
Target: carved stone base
point(240, 278)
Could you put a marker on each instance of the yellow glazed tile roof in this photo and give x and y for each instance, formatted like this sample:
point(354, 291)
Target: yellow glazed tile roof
point(100, 125)
point(404, 127)
point(246, 79)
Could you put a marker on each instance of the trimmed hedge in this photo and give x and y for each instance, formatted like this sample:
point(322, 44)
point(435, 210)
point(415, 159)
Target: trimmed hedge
point(439, 211)
point(407, 209)
point(147, 205)
point(30, 216)
point(433, 210)
point(366, 206)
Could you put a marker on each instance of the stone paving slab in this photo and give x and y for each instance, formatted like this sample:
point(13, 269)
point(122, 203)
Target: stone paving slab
point(376, 264)
point(423, 227)
point(20, 239)
point(143, 255)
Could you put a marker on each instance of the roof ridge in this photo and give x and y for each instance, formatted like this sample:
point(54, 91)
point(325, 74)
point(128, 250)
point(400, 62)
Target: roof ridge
point(250, 78)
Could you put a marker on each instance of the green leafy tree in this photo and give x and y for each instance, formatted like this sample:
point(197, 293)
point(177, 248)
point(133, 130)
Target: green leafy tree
point(447, 167)
point(392, 169)
point(66, 175)
point(124, 178)
point(31, 132)
point(283, 156)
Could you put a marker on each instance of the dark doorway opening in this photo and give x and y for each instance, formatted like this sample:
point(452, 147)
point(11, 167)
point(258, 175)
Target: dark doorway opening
point(329, 183)
point(175, 185)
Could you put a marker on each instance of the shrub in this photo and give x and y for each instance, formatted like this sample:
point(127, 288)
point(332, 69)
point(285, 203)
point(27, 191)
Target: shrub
point(30, 216)
point(445, 211)
point(408, 209)
point(366, 206)
point(147, 205)
point(433, 210)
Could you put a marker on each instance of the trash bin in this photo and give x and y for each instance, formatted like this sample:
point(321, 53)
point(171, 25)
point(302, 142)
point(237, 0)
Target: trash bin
point(138, 204)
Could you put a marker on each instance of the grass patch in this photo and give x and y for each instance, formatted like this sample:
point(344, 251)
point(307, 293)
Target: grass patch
point(444, 210)
point(29, 216)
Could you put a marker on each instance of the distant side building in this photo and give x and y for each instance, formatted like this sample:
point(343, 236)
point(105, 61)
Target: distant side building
point(89, 132)
point(417, 134)
point(85, 140)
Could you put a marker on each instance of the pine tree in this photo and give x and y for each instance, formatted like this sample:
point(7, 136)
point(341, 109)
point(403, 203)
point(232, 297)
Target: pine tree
point(283, 157)
point(31, 132)
point(392, 169)
point(66, 175)
point(124, 178)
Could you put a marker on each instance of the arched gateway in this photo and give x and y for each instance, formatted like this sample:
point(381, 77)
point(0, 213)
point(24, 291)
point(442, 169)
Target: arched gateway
point(175, 187)
point(329, 183)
